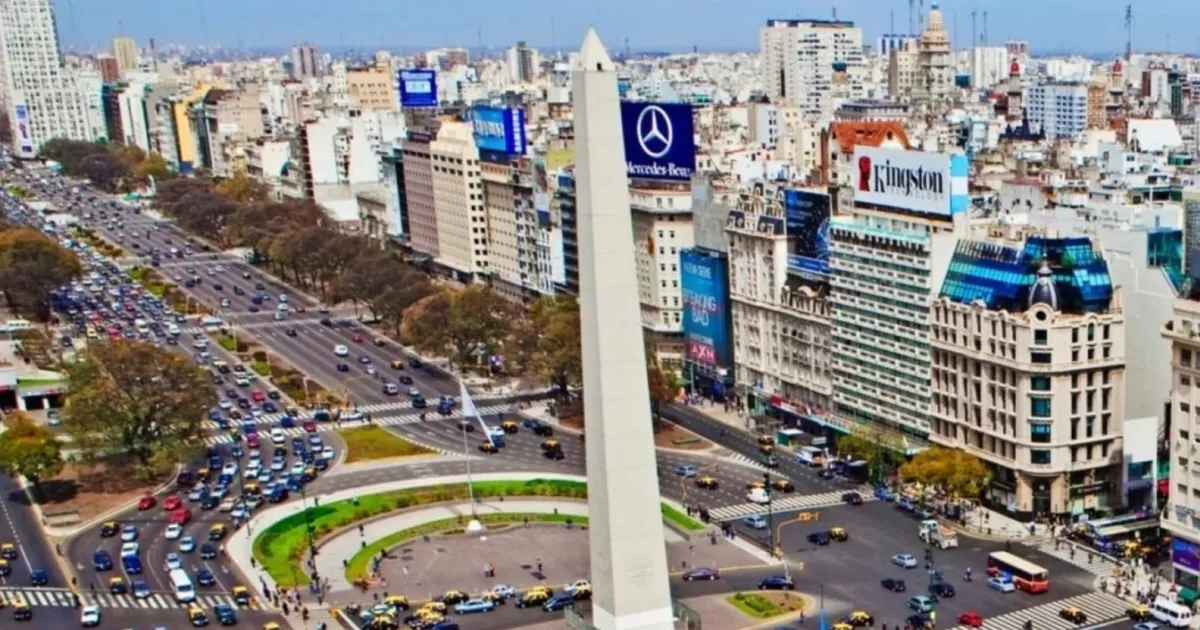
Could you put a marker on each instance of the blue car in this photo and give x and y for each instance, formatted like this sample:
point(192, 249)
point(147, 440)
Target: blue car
point(883, 494)
point(132, 564)
point(102, 561)
point(286, 422)
point(559, 602)
point(204, 577)
point(777, 583)
point(38, 577)
point(474, 606)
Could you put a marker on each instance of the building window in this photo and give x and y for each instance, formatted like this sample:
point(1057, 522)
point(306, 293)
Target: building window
point(1039, 457)
point(1040, 337)
point(1039, 407)
point(1040, 383)
point(1040, 433)
point(1040, 357)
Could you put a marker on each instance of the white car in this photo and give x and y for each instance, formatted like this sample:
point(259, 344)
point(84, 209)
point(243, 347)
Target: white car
point(577, 584)
point(758, 495)
point(495, 432)
point(327, 452)
point(227, 505)
point(173, 561)
point(200, 343)
point(225, 404)
point(230, 468)
point(90, 618)
point(341, 351)
point(277, 436)
point(174, 531)
point(187, 544)
point(906, 560)
point(130, 549)
point(129, 533)
point(1001, 584)
point(298, 469)
point(353, 414)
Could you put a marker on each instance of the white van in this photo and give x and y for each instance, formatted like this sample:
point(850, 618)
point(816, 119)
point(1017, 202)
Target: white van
point(1170, 613)
point(758, 495)
point(15, 325)
point(182, 585)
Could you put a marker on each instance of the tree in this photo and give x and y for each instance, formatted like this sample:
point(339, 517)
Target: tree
point(5, 130)
point(130, 155)
point(29, 450)
point(243, 189)
point(204, 214)
point(104, 170)
point(171, 192)
point(548, 344)
point(955, 472)
point(881, 450)
point(662, 391)
point(152, 166)
point(138, 399)
point(459, 323)
point(31, 266)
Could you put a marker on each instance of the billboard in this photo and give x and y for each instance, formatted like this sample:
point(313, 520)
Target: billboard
point(706, 309)
point(1186, 554)
point(418, 88)
point(500, 129)
point(933, 183)
point(24, 136)
point(660, 140)
point(807, 214)
point(623, 86)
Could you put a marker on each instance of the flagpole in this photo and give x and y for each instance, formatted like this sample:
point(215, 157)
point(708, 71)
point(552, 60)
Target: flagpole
point(470, 481)
point(468, 407)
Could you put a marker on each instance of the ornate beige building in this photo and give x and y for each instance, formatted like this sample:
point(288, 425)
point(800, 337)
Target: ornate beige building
point(935, 69)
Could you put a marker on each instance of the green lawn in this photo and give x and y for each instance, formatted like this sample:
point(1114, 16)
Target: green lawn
point(358, 564)
point(227, 342)
point(754, 605)
point(261, 368)
point(681, 520)
point(368, 443)
point(280, 548)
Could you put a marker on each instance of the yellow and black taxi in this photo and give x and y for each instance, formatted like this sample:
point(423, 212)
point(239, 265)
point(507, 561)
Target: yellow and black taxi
point(757, 483)
point(510, 426)
point(217, 532)
point(766, 440)
point(766, 449)
point(434, 606)
point(534, 597)
point(203, 473)
point(8, 551)
point(582, 591)
point(251, 487)
point(397, 364)
point(397, 601)
point(1073, 614)
point(421, 618)
point(21, 610)
point(270, 625)
point(860, 618)
point(196, 616)
point(453, 596)
point(839, 534)
point(1138, 613)
point(783, 485)
point(117, 586)
point(388, 622)
point(842, 625)
point(109, 529)
point(488, 447)
point(241, 595)
point(708, 483)
point(551, 445)
point(5, 568)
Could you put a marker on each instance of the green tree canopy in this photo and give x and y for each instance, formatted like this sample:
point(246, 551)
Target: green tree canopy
point(243, 189)
point(152, 166)
point(138, 399)
point(952, 471)
point(881, 450)
point(548, 344)
point(456, 322)
point(31, 266)
point(29, 449)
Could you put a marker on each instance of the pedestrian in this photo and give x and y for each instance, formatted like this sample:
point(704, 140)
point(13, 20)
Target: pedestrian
point(539, 565)
point(285, 608)
point(360, 530)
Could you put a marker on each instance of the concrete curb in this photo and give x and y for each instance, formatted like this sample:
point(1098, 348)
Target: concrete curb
point(67, 533)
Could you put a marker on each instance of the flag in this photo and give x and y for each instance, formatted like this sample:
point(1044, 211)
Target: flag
point(469, 410)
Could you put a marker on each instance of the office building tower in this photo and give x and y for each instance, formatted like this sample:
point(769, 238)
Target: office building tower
point(110, 69)
point(522, 63)
point(628, 550)
point(126, 51)
point(1029, 372)
point(305, 64)
point(902, 69)
point(40, 95)
point(935, 72)
point(1181, 517)
point(1058, 109)
point(801, 58)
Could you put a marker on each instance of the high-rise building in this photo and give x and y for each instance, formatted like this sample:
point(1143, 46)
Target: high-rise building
point(902, 69)
point(372, 89)
point(1029, 372)
point(109, 67)
point(126, 51)
point(305, 64)
point(40, 95)
point(1181, 518)
point(1058, 109)
point(801, 58)
point(662, 227)
point(522, 63)
point(935, 71)
point(989, 66)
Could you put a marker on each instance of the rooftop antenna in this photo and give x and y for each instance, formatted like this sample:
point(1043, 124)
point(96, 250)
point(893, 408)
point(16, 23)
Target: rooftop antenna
point(912, 26)
point(1128, 31)
point(921, 15)
point(985, 13)
point(834, 14)
point(553, 35)
point(479, 37)
point(892, 22)
point(627, 48)
point(974, 30)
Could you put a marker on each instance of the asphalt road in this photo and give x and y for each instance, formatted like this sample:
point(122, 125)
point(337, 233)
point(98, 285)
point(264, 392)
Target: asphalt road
point(19, 525)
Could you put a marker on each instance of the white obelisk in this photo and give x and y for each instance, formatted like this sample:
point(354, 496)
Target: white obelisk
point(628, 551)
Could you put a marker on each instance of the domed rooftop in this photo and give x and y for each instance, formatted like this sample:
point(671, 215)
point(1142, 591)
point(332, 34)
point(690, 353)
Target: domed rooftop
point(1043, 290)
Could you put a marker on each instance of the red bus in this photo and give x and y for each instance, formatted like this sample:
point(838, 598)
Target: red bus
point(1025, 575)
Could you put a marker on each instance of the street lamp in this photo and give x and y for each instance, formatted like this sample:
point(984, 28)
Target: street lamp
point(770, 513)
point(308, 529)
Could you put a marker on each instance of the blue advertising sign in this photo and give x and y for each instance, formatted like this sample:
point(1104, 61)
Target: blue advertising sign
point(500, 129)
point(623, 86)
point(24, 137)
point(808, 214)
point(1185, 554)
point(706, 309)
point(660, 140)
point(418, 88)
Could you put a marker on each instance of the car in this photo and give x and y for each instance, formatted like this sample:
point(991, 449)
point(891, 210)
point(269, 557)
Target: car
point(309, 426)
point(894, 585)
point(1001, 584)
point(130, 549)
point(39, 577)
point(858, 619)
point(943, 590)
point(207, 551)
point(277, 436)
point(1140, 612)
point(342, 367)
point(819, 538)
point(109, 529)
point(327, 452)
point(172, 502)
point(474, 606)
point(229, 468)
point(685, 470)
point(205, 577)
point(920, 603)
point(174, 531)
point(558, 602)
point(129, 533)
point(777, 583)
point(90, 617)
point(341, 350)
point(225, 614)
point(702, 573)
point(1073, 614)
point(140, 589)
point(906, 560)
point(852, 498)
point(970, 619)
point(209, 503)
point(173, 561)
point(102, 561)
point(1145, 625)
point(145, 503)
point(228, 504)
point(364, 359)
point(187, 544)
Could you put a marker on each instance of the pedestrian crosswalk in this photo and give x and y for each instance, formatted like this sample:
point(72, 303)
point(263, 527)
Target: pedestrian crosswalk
point(742, 460)
point(783, 503)
point(62, 597)
point(1100, 566)
point(400, 412)
point(1099, 608)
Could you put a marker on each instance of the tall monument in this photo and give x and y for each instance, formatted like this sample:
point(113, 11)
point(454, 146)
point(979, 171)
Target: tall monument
point(628, 551)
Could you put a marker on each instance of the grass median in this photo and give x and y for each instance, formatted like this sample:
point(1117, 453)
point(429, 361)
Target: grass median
point(755, 605)
point(372, 443)
point(357, 567)
point(280, 549)
point(681, 520)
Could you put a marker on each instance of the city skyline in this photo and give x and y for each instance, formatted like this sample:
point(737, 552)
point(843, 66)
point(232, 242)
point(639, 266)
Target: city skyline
point(544, 23)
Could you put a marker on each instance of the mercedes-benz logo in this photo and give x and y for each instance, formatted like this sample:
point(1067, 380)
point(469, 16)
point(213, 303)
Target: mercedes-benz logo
point(654, 131)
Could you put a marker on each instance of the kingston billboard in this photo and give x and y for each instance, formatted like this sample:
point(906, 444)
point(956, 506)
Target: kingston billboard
point(933, 183)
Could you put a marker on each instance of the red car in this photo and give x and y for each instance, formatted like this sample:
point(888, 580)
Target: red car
point(971, 618)
point(181, 516)
point(258, 396)
point(357, 338)
point(172, 502)
point(252, 440)
point(146, 502)
point(300, 309)
point(310, 426)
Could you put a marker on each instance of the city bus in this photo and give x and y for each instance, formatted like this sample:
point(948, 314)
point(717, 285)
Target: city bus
point(1116, 539)
point(1025, 575)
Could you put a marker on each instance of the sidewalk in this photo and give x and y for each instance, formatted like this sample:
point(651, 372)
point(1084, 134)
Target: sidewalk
point(987, 523)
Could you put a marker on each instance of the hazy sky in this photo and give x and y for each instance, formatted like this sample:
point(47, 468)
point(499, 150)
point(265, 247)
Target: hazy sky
point(1049, 25)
